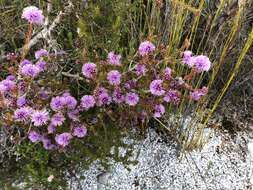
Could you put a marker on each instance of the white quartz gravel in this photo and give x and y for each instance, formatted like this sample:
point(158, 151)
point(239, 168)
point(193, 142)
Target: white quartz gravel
point(223, 164)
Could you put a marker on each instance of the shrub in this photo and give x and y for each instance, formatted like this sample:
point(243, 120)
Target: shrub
point(127, 97)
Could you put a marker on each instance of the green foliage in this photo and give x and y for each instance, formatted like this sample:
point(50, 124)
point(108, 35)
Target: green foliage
point(103, 26)
point(35, 164)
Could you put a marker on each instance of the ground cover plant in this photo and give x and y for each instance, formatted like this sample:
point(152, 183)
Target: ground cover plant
point(164, 71)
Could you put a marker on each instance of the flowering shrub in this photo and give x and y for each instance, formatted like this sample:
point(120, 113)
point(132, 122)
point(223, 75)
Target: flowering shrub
point(127, 96)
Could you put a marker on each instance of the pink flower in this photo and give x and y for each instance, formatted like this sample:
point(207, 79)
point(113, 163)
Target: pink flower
point(156, 88)
point(80, 132)
point(172, 96)
point(188, 59)
point(22, 114)
point(104, 99)
point(69, 101)
point(146, 48)
point(197, 94)
point(159, 111)
point(114, 77)
point(131, 84)
point(51, 128)
point(57, 103)
point(34, 136)
point(7, 85)
point(89, 70)
point(41, 65)
point(57, 119)
point(202, 63)
point(117, 96)
point(100, 90)
point(25, 62)
point(47, 143)
point(41, 53)
point(140, 69)
point(87, 102)
point(74, 115)
point(167, 73)
point(132, 98)
point(21, 101)
point(63, 139)
point(33, 15)
point(39, 118)
point(114, 59)
point(30, 70)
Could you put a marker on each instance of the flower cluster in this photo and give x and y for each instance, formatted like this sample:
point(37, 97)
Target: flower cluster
point(54, 117)
point(200, 63)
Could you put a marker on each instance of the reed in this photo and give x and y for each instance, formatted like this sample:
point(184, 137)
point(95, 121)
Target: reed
point(180, 31)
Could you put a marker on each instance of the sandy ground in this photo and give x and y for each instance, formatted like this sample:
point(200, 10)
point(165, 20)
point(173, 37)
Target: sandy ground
point(224, 164)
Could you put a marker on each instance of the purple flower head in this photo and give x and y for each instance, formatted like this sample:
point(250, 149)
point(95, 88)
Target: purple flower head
point(156, 88)
point(57, 103)
point(34, 136)
point(11, 78)
point(188, 59)
point(114, 59)
point(23, 114)
point(21, 101)
point(117, 96)
point(159, 111)
point(145, 48)
point(7, 85)
point(130, 84)
point(74, 115)
point(63, 139)
point(104, 99)
point(3, 88)
point(47, 144)
point(87, 102)
point(30, 70)
point(25, 62)
point(100, 90)
point(57, 119)
point(40, 117)
point(51, 128)
point(80, 131)
point(197, 94)
point(69, 101)
point(140, 69)
point(89, 70)
point(172, 96)
point(114, 77)
point(167, 73)
point(33, 15)
point(41, 65)
point(187, 54)
point(41, 53)
point(132, 98)
point(202, 63)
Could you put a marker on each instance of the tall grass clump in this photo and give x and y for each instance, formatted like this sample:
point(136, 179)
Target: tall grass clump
point(202, 29)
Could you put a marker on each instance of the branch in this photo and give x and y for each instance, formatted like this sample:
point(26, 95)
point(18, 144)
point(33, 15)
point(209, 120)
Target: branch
point(46, 32)
point(75, 76)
